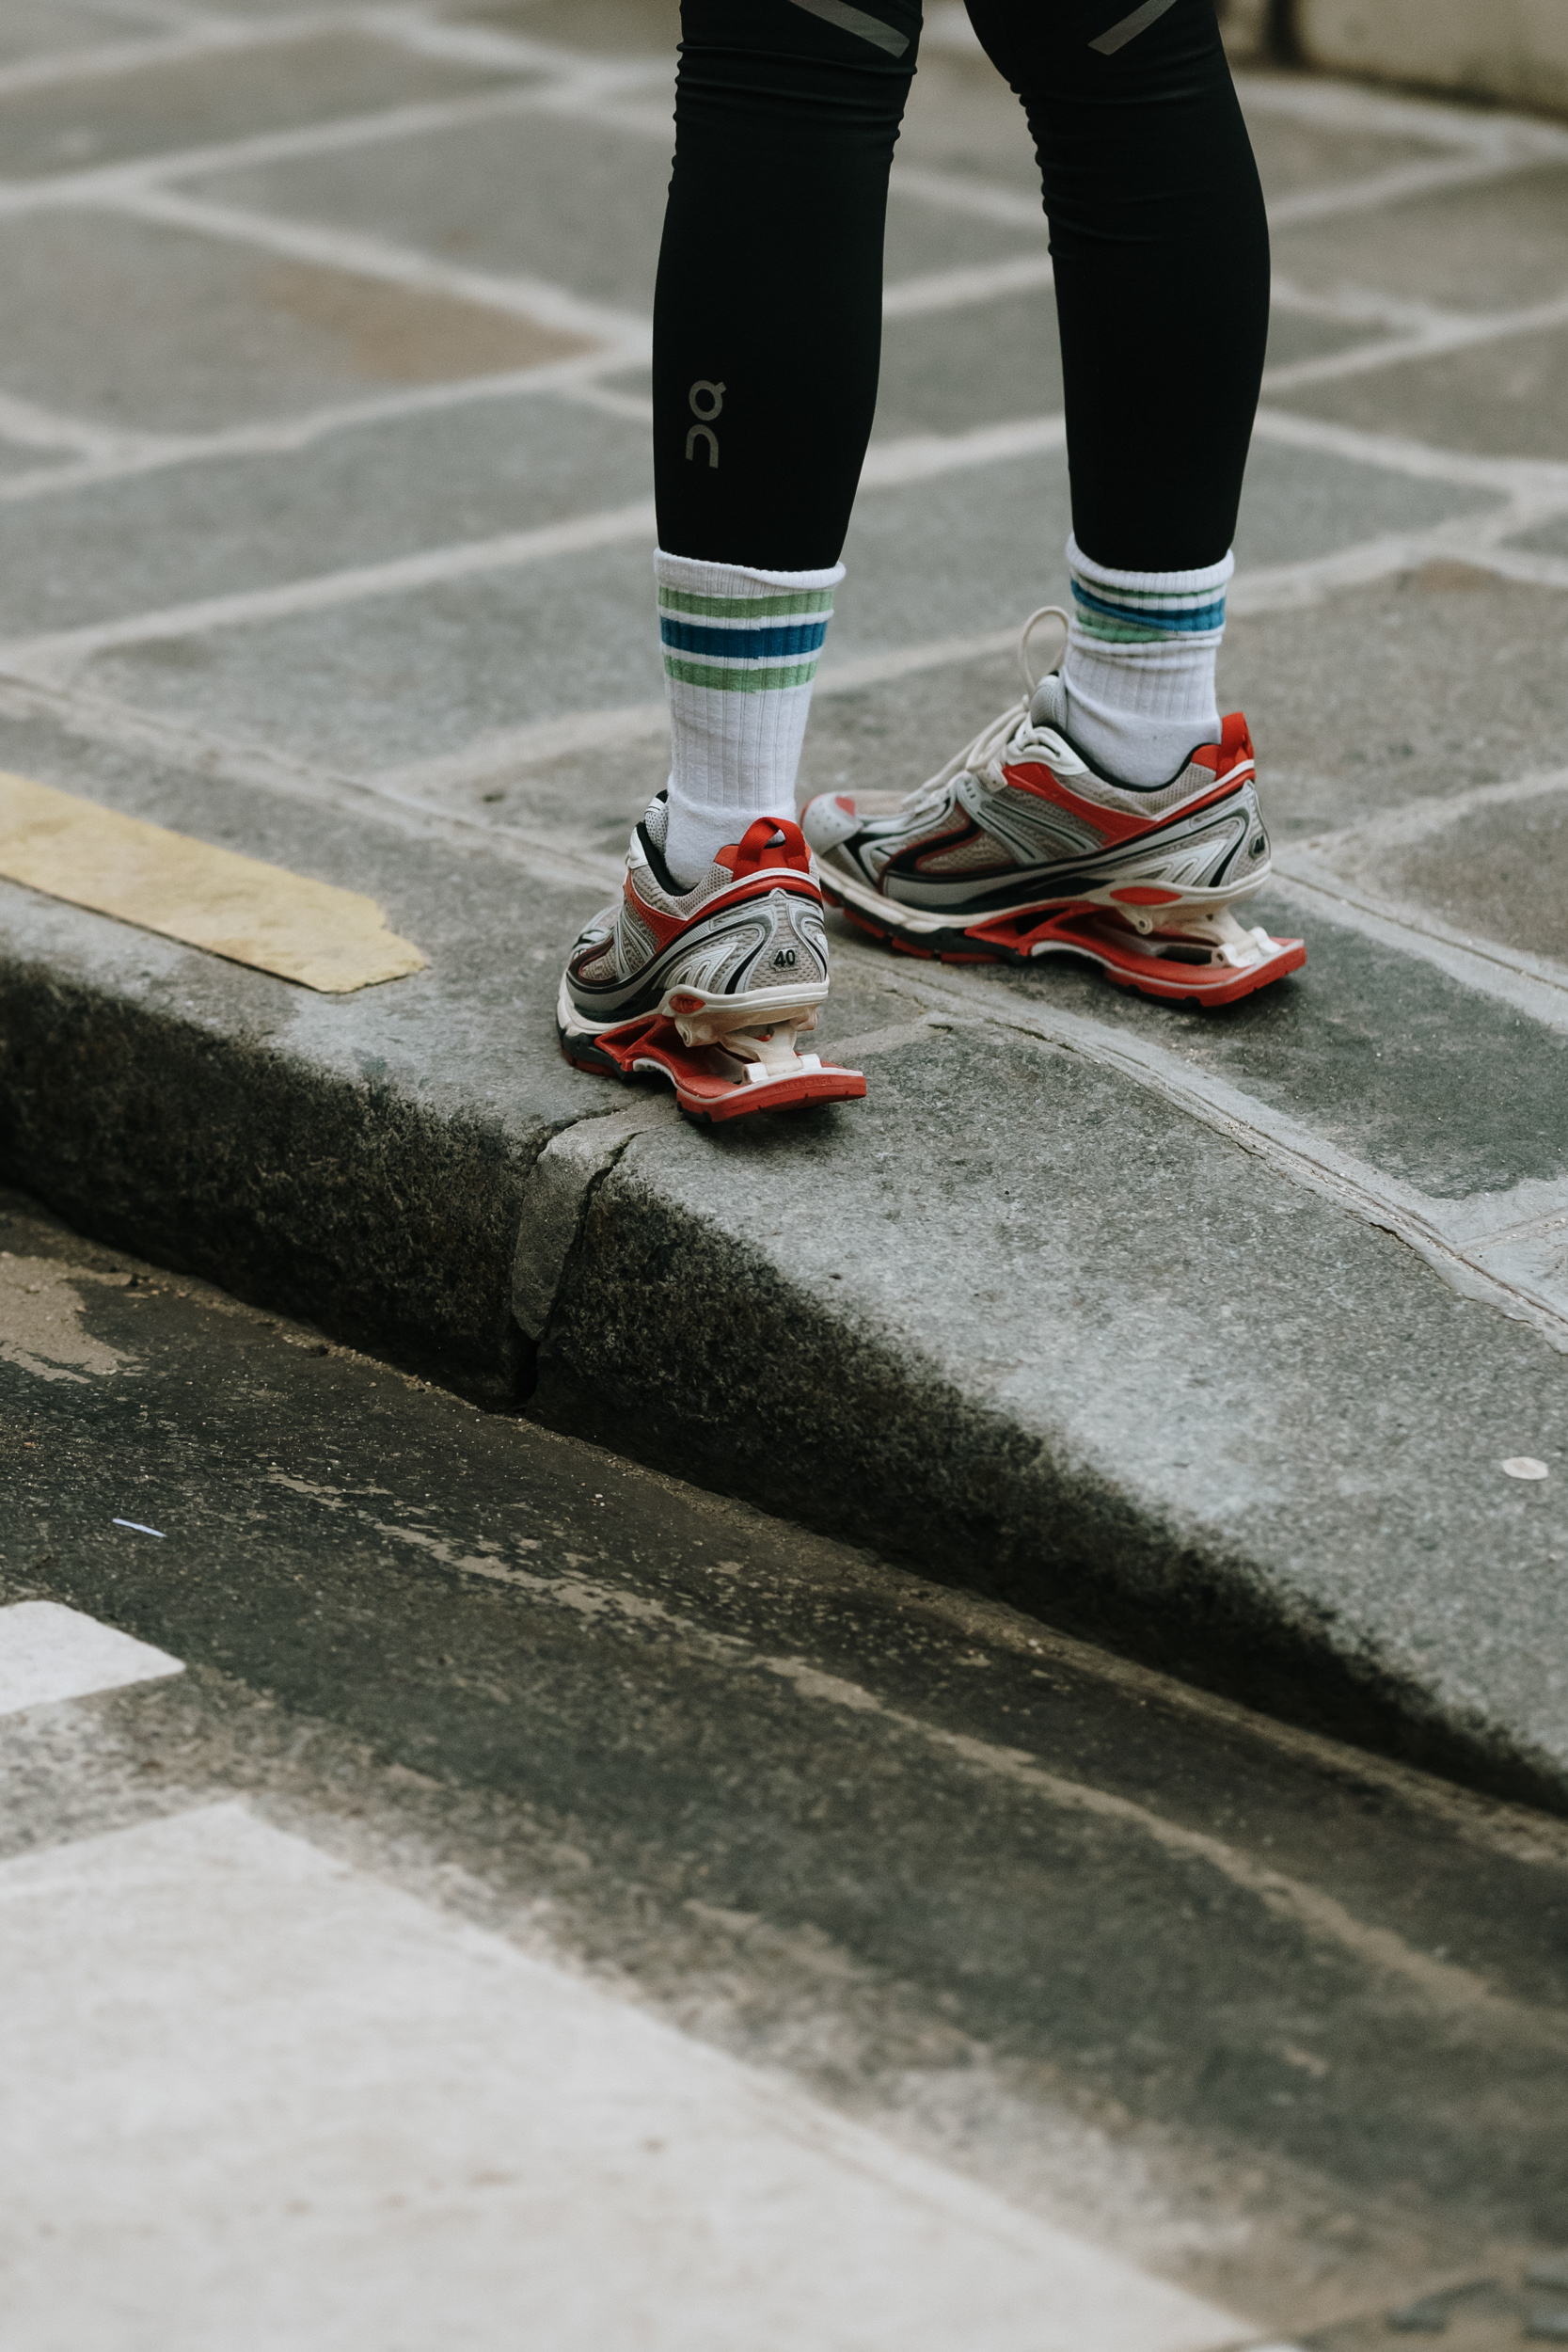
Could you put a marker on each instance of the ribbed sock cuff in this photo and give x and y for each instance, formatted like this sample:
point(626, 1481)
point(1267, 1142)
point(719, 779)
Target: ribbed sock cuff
point(740, 651)
point(1139, 667)
point(1152, 603)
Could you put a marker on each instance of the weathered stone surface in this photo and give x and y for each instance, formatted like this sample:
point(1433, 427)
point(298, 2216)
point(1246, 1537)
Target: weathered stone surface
point(1100, 1363)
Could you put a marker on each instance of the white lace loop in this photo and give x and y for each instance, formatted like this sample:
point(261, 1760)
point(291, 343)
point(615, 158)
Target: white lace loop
point(1046, 613)
point(983, 758)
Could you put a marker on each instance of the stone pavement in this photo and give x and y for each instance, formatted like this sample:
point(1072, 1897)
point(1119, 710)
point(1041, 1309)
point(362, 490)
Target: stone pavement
point(324, 500)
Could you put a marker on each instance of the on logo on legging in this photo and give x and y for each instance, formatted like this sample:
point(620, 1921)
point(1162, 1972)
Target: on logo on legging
point(706, 401)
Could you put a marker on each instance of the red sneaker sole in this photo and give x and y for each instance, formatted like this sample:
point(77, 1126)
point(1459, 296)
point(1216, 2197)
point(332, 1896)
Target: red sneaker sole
point(652, 1048)
point(1168, 981)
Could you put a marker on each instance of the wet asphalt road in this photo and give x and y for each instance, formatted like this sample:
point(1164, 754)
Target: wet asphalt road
point(1268, 2018)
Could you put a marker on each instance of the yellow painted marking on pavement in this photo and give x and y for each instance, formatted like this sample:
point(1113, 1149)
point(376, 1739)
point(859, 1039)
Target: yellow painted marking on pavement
point(305, 930)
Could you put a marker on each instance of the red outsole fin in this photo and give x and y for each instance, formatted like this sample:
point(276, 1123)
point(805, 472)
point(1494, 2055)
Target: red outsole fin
point(1170, 984)
point(645, 1048)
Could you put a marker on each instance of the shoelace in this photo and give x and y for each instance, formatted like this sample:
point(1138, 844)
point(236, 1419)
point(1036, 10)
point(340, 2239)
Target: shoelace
point(982, 758)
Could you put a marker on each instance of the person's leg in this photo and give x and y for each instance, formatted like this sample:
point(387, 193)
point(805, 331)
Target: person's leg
point(767, 335)
point(766, 338)
point(1162, 263)
point(1113, 815)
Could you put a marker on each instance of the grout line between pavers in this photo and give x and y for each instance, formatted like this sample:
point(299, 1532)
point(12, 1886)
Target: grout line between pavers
point(213, 37)
point(1328, 102)
point(1423, 820)
point(1511, 977)
point(1435, 340)
point(537, 299)
point(58, 654)
point(102, 720)
point(1521, 478)
point(1290, 1148)
point(109, 455)
point(107, 183)
point(425, 33)
point(54, 658)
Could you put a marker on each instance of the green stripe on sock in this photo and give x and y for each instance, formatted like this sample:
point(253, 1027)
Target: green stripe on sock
point(1124, 632)
point(803, 602)
point(737, 681)
point(1157, 599)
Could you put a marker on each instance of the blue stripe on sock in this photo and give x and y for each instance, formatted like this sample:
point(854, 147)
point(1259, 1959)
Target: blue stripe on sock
point(744, 645)
point(1206, 615)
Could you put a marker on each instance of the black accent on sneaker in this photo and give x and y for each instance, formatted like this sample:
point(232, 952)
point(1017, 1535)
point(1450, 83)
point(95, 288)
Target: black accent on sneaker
point(1103, 775)
point(657, 866)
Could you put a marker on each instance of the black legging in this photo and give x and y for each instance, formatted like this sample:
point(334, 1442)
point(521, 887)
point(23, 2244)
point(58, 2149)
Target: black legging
point(768, 315)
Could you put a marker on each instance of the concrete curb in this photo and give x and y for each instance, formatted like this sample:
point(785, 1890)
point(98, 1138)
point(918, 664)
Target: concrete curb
point(349, 1204)
point(1175, 1451)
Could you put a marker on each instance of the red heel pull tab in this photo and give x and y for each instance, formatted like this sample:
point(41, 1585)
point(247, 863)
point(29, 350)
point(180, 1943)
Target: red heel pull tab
point(770, 841)
point(1235, 740)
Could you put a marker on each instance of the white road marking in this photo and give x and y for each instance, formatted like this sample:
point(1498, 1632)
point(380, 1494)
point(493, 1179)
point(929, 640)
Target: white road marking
point(255, 2097)
point(48, 1652)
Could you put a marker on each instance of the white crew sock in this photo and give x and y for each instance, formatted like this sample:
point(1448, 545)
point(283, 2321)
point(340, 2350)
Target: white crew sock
point(740, 652)
point(1139, 667)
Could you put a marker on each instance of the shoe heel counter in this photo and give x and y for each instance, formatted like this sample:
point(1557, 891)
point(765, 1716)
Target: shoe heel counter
point(1256, 854)
point(796, 948)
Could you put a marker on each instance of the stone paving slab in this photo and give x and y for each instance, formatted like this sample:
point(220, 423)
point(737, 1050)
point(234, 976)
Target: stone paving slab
point(927, 383)
point(402, 677)
point(221, 97)
point(1486, 248)
point(1510, 396)
point(258, 519)
point(1207, 1336)
point(1427, 685)
point(598, 234)
point(56, 28)
point(162, 330)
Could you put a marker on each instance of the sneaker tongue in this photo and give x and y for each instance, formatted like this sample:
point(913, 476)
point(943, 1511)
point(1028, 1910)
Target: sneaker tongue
point(1048, 705)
